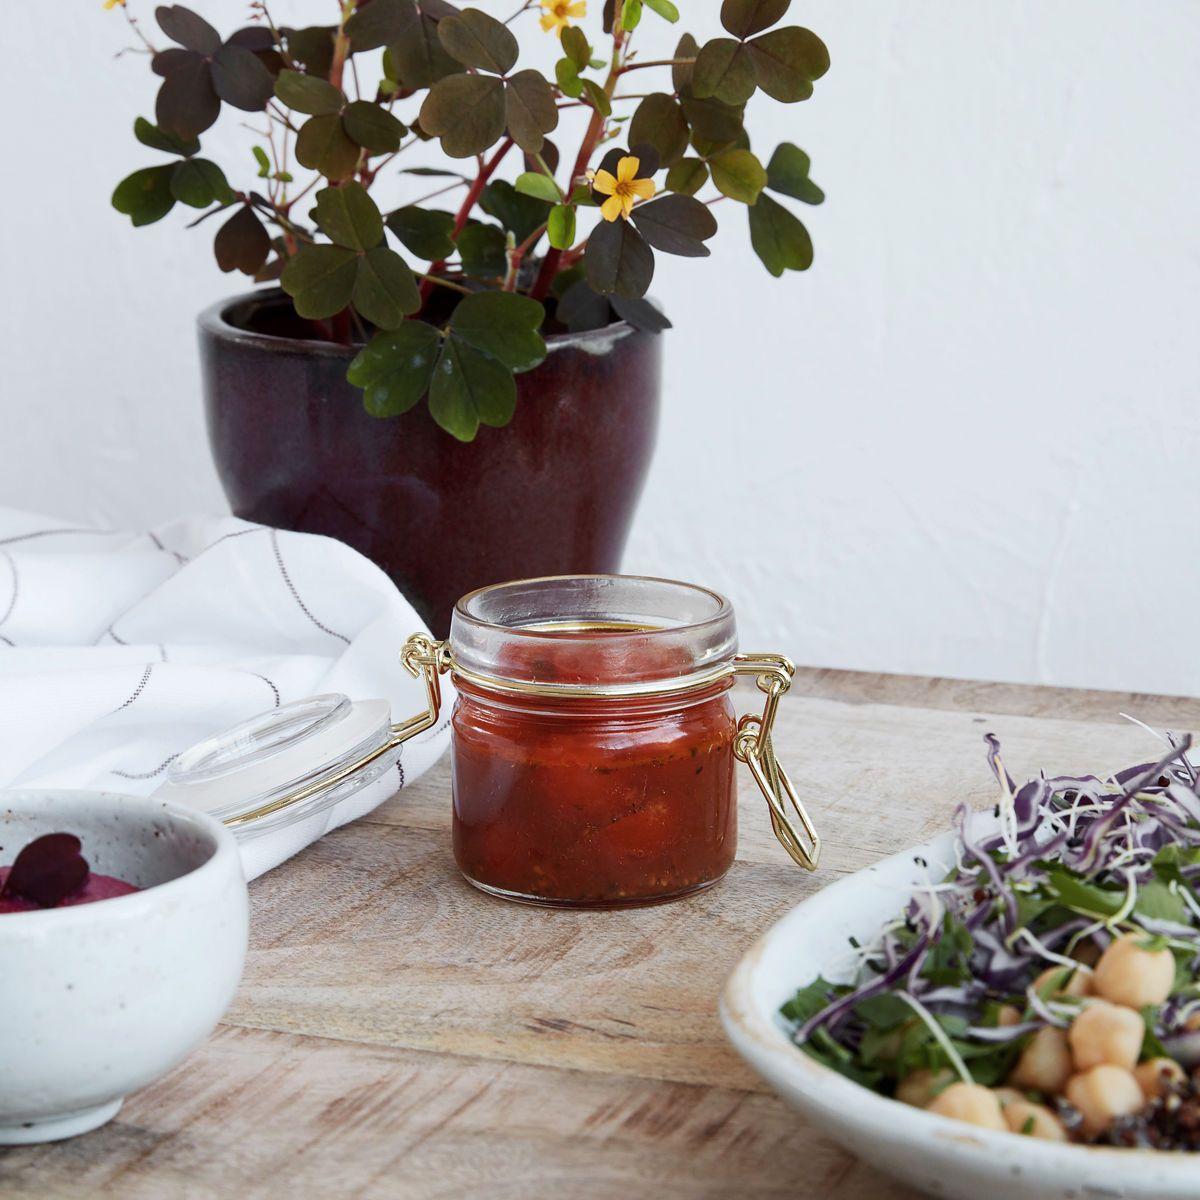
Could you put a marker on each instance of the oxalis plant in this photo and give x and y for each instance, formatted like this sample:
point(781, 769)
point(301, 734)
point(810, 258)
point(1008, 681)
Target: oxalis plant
point(450, 300)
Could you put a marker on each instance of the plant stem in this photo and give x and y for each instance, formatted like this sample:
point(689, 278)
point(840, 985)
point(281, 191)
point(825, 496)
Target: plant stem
point(572, 256)
point(212, 212)
point(279, 43)
point(341, 329)
point(517, 254)
point(450, 187)
point(524, 8)
point(442, 281)
point(473, 193)
point(370, 172)
point(591, 139)
point(657, 62)
point(308, 187)
point(477, 186)
point(341, 50)
point(275, 113)
point(137, 29)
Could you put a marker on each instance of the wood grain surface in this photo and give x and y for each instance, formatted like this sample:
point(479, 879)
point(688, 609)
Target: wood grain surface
point(398, 1034)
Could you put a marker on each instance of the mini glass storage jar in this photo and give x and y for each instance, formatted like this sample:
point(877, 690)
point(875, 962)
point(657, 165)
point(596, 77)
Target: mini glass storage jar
point(594, 739)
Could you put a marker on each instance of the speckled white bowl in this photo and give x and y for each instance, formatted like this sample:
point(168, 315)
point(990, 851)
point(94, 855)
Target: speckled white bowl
point(100, 999)
point(940, 1156)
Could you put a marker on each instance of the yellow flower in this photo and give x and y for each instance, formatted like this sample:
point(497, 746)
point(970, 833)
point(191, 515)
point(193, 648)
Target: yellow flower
point(622, 190)
point(110, 4)
point(558, 14)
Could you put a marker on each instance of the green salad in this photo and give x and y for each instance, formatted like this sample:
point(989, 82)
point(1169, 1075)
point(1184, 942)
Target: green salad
point(1048, 984)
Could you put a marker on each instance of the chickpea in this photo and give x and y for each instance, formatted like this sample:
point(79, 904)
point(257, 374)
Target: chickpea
point(1008, 1014)
point(1045, 1063)
point(1007, 1095)
point(971, 1103)
point(1156, 1075)
point(1034, 1120)
point(1063, 981)
point(1129, 974)
point(920, 1087)
point(1106, 1033)
point(1102, 1093)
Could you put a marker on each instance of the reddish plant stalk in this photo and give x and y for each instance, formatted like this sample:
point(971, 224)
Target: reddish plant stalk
point(591, 139)
point(516, 255)
point(341, 50)
point(464, 212)
point(340, 328)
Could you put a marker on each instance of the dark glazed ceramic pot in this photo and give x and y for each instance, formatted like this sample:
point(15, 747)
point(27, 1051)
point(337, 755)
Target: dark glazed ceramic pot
point(552, 493)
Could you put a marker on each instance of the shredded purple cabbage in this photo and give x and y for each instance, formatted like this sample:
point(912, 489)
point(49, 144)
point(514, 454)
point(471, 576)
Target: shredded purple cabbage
point(1101, 833)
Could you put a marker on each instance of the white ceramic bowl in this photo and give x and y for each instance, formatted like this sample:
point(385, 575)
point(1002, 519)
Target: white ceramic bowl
point(100, 999)
point(935, 1154)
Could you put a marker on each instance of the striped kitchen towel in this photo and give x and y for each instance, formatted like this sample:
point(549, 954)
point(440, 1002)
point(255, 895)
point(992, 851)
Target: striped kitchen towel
point(120, 650)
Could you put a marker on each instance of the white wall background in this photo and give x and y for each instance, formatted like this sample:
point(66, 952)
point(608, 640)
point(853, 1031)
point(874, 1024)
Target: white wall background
point(966, 443)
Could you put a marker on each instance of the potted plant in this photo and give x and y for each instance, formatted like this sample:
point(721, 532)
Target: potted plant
point(460, 381)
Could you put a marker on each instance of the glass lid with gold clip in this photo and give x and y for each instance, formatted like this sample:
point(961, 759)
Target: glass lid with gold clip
point(293, 762)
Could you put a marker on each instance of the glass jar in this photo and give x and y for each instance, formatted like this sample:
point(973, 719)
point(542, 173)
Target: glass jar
point(593, 745)
point(594, 739)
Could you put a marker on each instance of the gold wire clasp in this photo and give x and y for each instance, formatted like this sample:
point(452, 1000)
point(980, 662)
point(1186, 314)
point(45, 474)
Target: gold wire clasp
point(422, 657)
point(754, 747)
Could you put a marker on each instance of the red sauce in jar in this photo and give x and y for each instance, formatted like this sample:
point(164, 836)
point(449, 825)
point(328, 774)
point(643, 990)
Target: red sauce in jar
point(594, 801)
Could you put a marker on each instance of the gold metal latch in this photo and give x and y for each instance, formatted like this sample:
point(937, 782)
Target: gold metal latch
point(422, 657)
point(754, 747)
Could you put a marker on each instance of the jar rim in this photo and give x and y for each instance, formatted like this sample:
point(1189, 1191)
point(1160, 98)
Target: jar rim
point(722, 612)
point(593, 634)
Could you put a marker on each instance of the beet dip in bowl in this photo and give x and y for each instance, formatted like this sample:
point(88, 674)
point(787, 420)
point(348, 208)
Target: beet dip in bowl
point(118, 952)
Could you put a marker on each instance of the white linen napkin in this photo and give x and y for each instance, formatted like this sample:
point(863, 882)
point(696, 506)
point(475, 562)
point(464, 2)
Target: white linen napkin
point(120, 650)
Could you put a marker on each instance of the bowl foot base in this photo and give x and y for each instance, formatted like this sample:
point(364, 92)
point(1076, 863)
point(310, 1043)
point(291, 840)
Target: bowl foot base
point(54, 1129)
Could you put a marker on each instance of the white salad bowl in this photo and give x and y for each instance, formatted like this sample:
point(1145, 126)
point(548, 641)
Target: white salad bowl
point(940, 1156)
point(99, 999)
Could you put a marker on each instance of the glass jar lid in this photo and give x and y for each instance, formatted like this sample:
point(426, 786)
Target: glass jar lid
point(285, 764)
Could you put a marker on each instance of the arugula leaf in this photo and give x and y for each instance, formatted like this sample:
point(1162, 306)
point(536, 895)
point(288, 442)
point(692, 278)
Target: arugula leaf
point(1152, 1047)
point(1030, 906)
point(879, 1046)
point(1167, 864)
point(913, 1053)
point(1081, 896)
point(989, 1062)
point(1157, 901)
point(885, 1011)
point(954, 1026)
point(869, 1079)
point(808, 1001)
point(949, 960)
point(1185, 976)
